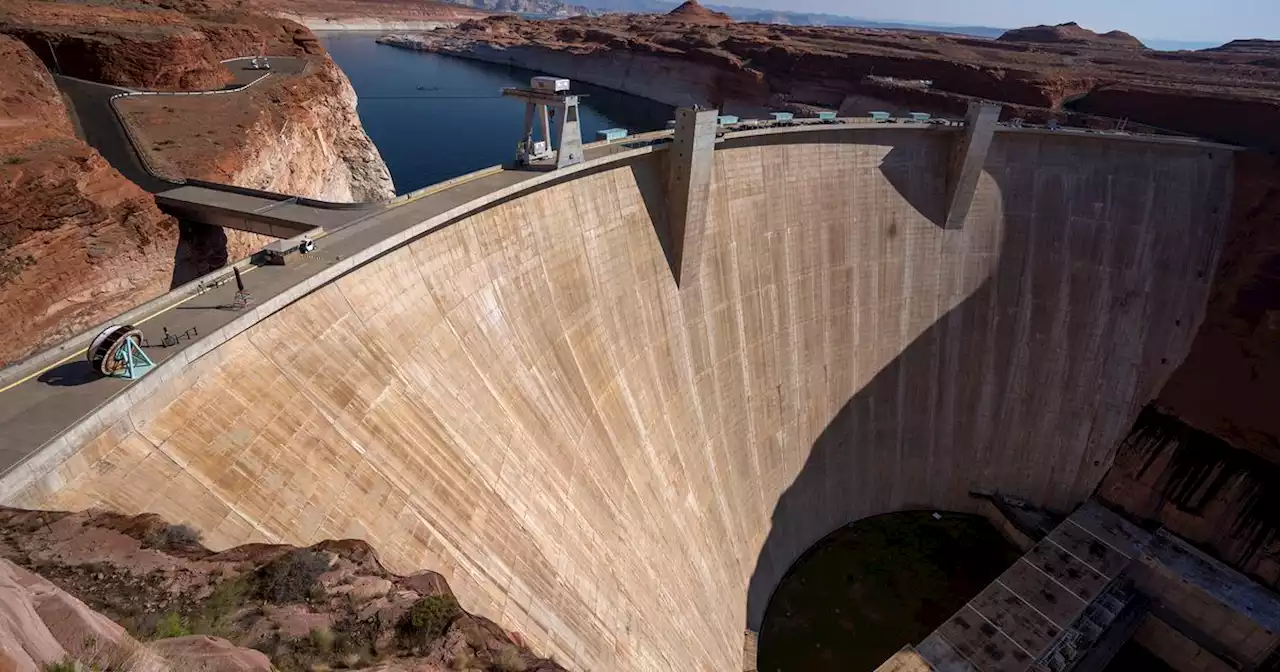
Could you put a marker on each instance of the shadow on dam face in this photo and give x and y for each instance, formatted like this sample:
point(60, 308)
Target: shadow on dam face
point(1027, 385)
point(623, 470)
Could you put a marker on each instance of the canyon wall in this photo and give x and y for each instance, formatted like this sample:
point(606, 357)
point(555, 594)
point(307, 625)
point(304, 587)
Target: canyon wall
point(292, 133)
point(621, 469)
point(78, 242)
point(149, 46)
point(669, 79)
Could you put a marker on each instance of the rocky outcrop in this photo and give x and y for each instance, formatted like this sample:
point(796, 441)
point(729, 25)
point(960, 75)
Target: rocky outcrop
point(1072, 33)
point(293, 134)
point(78, 242)
point(692, 12)
point(329, 606)
point(42, 625)
point(152, 48)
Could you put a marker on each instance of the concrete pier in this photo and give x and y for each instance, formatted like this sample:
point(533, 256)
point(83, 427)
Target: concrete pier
point(967, 160)
point(690, 161)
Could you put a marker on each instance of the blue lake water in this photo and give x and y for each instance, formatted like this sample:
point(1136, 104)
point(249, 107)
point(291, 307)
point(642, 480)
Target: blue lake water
point(435, 117)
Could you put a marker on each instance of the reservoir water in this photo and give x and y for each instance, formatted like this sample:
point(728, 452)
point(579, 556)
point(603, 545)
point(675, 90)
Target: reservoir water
point(435, 117)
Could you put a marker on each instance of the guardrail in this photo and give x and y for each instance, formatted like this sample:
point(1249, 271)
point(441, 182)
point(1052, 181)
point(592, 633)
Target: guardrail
point(139, 148)
point(75, 346)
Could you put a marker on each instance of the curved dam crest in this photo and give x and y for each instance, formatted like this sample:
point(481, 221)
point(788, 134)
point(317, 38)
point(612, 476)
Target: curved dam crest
point(623, 470)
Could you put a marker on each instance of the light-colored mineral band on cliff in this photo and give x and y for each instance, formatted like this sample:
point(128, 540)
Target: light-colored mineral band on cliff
point(621, 470)
point(321, 24)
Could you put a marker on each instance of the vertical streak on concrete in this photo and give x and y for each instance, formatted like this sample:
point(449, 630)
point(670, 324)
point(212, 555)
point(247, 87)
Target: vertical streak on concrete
point(967, 159)
point(690, 161)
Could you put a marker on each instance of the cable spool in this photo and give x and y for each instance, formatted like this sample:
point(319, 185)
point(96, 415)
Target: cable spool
point(104, 352)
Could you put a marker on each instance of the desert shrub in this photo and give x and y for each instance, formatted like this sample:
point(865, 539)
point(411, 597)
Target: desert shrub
point(429, 617)
point(322, 639)
point(291, 577)
point(67, 665)
point(462, 661)
point(224, 602)
point(170, 625)
point(14, 160)
point(508, 659)
point(171, 536)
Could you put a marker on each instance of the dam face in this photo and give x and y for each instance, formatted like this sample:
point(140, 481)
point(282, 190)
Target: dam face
point(622, 470)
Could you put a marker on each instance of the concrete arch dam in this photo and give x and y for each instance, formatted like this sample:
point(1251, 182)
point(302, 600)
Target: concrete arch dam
point(622, 469)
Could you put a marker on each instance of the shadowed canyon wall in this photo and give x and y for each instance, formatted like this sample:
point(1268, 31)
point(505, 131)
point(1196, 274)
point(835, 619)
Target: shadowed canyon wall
point(622, 470)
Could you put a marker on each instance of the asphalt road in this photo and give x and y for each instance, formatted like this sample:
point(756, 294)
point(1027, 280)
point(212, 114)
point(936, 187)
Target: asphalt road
point(104, 131)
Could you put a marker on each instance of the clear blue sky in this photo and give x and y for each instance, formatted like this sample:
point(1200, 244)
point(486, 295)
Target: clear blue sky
point(1191, 20)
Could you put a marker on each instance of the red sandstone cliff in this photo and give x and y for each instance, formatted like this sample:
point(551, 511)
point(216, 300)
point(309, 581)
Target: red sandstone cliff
point(293, 134)
point(692, 12)
point(747, 68)
point(149, 47)
point(1072, 33)
point(78, 242)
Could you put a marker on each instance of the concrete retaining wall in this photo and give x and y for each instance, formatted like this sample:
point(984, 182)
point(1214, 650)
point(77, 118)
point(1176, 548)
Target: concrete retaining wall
point(622, 470)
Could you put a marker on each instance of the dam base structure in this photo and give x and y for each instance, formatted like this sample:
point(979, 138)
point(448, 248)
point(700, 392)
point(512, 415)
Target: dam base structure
point(619, 455)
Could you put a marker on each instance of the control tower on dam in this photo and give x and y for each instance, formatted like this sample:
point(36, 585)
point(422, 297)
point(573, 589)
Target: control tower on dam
point(613, 408)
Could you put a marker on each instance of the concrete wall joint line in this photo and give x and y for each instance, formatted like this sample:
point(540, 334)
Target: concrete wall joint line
point(1104, 541)
point(209, 487)
point(1000, 630)
point(1018, 595)
point(956, 650)
point(1078, 559)
point(1049, 576)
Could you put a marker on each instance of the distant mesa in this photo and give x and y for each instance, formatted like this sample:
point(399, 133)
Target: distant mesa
point(1257, 47)
point(692, 12)
point(1071, 33)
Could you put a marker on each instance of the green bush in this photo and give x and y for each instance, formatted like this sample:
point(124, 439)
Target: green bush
point(172, 536)
point(223, 603)
point(429, 617)
point(462, 661)
point(292, 577)
point(170, 625)
point(67, 665)
point(322, 639)
point(508, 659)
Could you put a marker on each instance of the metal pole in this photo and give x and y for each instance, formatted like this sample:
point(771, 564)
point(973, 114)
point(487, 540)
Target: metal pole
point(54, 53)
point(239, 280)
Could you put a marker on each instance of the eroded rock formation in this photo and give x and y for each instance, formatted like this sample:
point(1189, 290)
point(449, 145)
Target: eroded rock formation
point(1072, 33)
point(78, 242)
point(293, 134)
point(66, 579)
point(750, 67)
point(149, 46)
